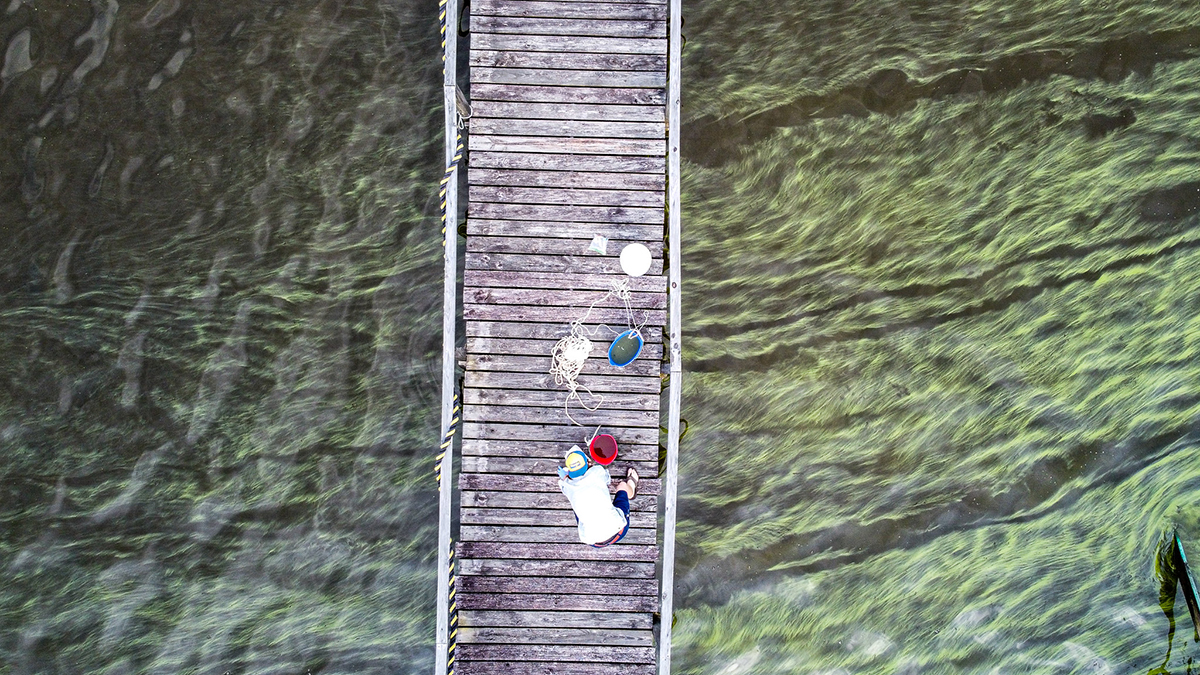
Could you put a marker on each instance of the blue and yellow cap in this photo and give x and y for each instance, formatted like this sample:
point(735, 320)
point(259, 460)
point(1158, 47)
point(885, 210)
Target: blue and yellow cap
point(576, 462)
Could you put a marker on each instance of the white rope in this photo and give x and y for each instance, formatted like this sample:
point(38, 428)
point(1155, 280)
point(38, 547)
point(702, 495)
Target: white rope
point(569, 354)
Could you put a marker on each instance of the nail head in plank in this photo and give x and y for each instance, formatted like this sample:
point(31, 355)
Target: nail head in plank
point(555, 636)
point(577, 551)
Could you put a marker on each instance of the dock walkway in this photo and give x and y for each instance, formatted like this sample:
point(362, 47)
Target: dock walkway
point(568, 140)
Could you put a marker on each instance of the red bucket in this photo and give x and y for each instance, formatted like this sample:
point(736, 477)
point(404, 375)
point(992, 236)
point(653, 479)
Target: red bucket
point(603, 449)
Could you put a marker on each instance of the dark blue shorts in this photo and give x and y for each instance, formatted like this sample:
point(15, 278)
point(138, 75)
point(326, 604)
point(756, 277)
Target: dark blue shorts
point(621, 501)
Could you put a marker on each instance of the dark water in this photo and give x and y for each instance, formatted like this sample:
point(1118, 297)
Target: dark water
point(942, 268)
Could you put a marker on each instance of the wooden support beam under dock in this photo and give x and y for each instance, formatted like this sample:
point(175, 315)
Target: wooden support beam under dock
point(569, 139)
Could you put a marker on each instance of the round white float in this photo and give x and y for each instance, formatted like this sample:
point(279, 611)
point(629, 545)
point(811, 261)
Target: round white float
point(635, 260)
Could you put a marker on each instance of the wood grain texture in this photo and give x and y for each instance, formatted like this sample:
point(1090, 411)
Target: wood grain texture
point(552, 432)
point(482, 58)
point(555, 636)
point(572, 10)
point(560, 195)
point(566, 43)
point(541, 364)
point(552, 280)
point(540, 483)
point(526, 347)
point(539, 297)
point(568, 264)
point(533, 26)
point(643, 520)
point(545, 465)
point(541, 534)
point(638, 79)
point(499, 447)
point(538, 668)
point(591, 180)
point(548, 331)
point(565, 230)
point(570, 213)
point(539, 500)
point(490, 126)
point(565, 162)
point(566, 145)
point(554, 399)
point(556, 246)
point(576, 551)
point(557, 653)
point(557, 584)
point(550, 94)
point(522, 415)
point(557, 568)
point(540, 619)
point(558, 601)
point(596, 383)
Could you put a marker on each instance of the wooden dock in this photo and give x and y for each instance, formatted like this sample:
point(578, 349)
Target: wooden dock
point(568, 140)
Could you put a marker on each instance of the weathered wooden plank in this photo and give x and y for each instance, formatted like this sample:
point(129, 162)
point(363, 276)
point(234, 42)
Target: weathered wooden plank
point(554, 399)
point(555, 583)
point(558, 601)
point(567, 43)
point(526, 347)
point(567, 179)
point(539, 195)
point(553, 432)
point(555, 636)
point(543, 619)
point(558, 653)
point(569, 264)
point(541, 364)
point(564, 230)
point(539, 297)
point(593, 569)
point(544, 162)
point(643, 520)
point(636, 452)
point(582, 112)
point(545, 465)
point(518, 415)
point(549, 94)
point(596, 383)
point(480, 482)
point(541, 500)
point(561, 27)
point(566, 128)
point(608, 315)
point(559, 246)
point(633, 79)
point(576, 551)
point(538, 668)
point(554, 281)
point(483, 58)
point(566, 144)
point(536, 534)
point(568, 213)
point(571, 10)
point(543, 331)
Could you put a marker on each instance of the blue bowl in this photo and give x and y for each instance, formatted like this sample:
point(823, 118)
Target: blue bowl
point(625, 348)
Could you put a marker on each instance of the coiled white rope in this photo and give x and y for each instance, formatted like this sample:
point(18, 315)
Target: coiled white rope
point(569, 354)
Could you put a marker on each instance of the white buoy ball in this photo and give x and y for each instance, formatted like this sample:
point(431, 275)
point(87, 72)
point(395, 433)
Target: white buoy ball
point(635, 260)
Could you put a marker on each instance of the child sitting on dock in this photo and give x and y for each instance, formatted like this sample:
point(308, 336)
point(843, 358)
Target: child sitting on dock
point(601, 522)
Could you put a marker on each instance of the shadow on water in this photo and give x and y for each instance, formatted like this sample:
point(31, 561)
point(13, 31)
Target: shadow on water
point(1174, 575)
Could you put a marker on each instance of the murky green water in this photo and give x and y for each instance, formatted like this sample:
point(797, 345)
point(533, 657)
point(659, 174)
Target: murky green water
point(942, 276)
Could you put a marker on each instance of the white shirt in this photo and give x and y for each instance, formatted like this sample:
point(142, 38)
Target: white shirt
point(599, 520)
